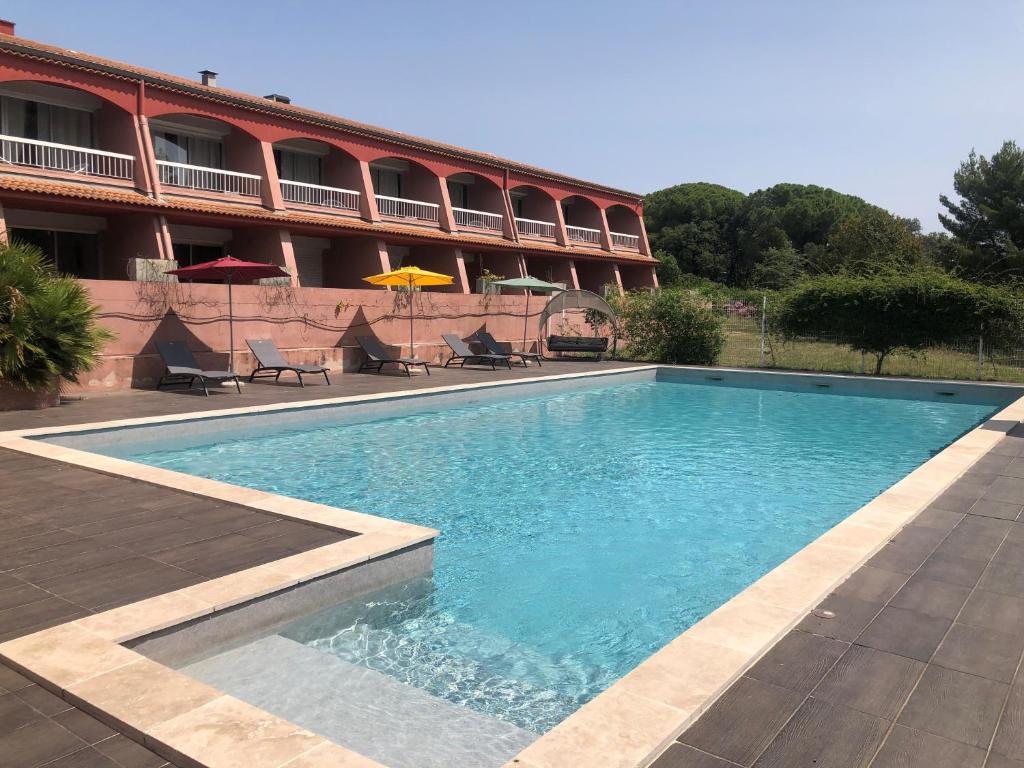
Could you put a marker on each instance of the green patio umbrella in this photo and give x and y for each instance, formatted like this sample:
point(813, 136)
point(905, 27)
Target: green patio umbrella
point(531, 284)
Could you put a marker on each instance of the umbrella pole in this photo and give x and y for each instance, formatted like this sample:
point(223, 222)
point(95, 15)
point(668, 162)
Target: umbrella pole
point(526, 319)
point(412, 346)
point(231, 331)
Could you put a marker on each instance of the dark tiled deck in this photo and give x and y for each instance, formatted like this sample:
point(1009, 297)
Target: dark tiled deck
point(921, 666)
point(140, 403)
point(74, 542)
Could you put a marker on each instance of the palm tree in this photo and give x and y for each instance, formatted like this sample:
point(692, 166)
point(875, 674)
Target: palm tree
point(48, 329)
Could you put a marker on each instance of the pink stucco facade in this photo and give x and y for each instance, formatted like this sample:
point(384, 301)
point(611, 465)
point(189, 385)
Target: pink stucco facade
point(308, 324)
point(276, 183)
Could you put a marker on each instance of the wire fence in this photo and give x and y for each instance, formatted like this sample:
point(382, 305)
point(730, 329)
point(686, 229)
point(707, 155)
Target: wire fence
point(751, 342)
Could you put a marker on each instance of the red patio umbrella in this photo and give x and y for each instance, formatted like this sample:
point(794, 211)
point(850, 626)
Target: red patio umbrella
point(229, 269)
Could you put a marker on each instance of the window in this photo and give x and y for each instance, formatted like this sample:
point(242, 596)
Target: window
point(297, 166)
point(45, 122)
point(188, 254)
point(459, 194)
point(387, 182)
point(517, 205)
point(190, 150)
point(73, 253)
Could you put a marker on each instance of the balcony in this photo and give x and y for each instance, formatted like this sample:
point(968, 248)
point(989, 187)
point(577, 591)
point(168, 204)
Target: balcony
point(465, 217)
point(208, 179)
point(65, 157)
point(584, 235)
point(401, 208)
point(622, 240)
point(316, 195)
point(534, 228)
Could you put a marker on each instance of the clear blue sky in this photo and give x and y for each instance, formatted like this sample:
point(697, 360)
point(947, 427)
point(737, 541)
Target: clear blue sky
point(878, 99)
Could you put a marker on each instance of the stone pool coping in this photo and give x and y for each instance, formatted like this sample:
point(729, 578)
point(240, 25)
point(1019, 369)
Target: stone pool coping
point(627, 725)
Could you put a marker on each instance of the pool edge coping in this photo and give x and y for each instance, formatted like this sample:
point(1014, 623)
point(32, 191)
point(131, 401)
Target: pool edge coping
point(627, 725)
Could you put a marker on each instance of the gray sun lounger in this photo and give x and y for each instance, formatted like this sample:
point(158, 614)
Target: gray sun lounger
point(270, 362)
point(491, 345)
point(377, 357)
point(462, 354)
point(180, 366)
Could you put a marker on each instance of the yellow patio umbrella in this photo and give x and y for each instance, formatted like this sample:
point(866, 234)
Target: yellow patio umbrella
point(409, 277)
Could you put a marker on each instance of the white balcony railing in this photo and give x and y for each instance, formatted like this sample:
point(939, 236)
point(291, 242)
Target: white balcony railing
point(584, 234)
point(406, 209)
point(534, 228)
point(622, 240)
point(208, 179)
point(65, 157)
point(464, 217)
point(314, 194)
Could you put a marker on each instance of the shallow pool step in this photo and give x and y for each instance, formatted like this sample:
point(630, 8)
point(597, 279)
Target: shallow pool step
point(396, 724)
point(461, 664)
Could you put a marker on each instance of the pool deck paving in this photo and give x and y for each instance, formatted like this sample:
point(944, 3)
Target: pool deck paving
point(920, 665)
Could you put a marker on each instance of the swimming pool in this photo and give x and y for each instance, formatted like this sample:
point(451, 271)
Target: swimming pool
point(581, 530)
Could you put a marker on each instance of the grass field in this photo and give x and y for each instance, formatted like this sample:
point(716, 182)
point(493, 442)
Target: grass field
point(742, 349)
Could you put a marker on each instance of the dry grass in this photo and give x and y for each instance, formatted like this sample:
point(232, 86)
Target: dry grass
point(742, 349)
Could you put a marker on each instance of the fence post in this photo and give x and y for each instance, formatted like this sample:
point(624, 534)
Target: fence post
point(981, 354)
point(764, 323)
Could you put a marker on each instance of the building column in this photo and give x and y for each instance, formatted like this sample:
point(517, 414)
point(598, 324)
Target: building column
point(645, 245)
point(4, 239)
point(561, 235)
point(461, 277)
point(367, 199)
point(511, 232)
point(165, 246)
point(270, 191)
point(522, 266)
point(618, 278)
point(143, 170)
point(147, 158)
point(288, 254)
point(606, 232)
point(445, 215)
point(572, 274)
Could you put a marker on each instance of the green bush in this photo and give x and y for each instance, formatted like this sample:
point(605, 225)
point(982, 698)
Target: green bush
point(48, 329)
point(880, 314)
point(670, 326)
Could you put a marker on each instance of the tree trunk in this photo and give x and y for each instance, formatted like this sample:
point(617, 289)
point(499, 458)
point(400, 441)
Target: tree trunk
point(878, 363)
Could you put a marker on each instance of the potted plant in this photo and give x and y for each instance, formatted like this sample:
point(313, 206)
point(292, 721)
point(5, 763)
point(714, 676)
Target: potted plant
point(48, 329)
point(485, 283)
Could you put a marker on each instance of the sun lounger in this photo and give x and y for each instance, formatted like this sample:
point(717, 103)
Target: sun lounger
point(462, 354)
point(491, 345)
point(269, 361)
point(180, 366)
point(377, 357)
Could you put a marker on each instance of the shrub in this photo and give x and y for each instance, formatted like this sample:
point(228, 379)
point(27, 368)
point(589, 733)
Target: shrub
point(879, 314)
point(48, 327)
point(670, 326)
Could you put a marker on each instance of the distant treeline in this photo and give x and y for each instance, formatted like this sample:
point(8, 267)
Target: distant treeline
point(775, 237)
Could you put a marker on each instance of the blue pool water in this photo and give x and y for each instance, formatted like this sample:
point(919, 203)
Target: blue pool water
point(580, 531)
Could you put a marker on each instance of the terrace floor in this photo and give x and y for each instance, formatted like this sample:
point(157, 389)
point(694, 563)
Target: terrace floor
point(919, 667)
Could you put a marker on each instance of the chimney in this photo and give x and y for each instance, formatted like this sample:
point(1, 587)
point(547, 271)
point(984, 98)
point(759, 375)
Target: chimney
point(280, 98)
point(6, 27)
point(209, 78)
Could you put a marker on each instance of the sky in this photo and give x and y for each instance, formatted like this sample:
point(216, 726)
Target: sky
point(879, 99)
